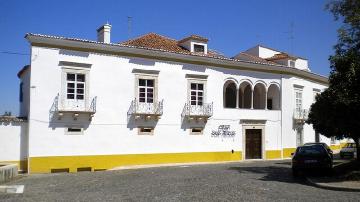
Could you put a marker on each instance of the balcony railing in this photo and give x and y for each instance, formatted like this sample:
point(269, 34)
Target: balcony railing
point(72, 106)
point(301, 115)
point(143, 108)
point(198, 111)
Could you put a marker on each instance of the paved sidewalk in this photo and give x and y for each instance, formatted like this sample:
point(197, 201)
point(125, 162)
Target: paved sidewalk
point(346, 177)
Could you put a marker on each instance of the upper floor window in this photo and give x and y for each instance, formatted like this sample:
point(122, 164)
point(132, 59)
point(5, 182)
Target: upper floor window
point(75, 86)
point(197, 94)
point(146, 90)
point(199, 48)
point(298, 99)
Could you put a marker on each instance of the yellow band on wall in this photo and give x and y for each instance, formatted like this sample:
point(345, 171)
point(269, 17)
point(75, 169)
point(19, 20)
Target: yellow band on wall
point(100, 162)
point(273, 154)
point(287, 152)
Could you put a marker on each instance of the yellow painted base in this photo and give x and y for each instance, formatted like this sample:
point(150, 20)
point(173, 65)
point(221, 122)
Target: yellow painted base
point(103, 162)
point(22, 165)
point(273, 154)
point(287, 152)
point(335, 147)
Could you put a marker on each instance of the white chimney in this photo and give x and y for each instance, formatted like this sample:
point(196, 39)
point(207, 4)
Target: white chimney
point(103, 33)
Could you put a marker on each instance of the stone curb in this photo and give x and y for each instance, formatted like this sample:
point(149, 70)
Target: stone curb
point(332, 187)
point(8, 172)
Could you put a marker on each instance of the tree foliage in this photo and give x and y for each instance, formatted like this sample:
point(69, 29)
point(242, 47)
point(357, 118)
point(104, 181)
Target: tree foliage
point(336, 111)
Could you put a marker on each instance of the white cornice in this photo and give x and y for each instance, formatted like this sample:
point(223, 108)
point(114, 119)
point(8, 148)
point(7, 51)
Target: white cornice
point(220, 62)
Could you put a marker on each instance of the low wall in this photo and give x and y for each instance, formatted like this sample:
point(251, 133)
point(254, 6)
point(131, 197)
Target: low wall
point(13, 142)
point(8, 172)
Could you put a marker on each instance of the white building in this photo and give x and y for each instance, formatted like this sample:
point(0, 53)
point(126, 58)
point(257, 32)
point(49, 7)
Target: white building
point(94, 105)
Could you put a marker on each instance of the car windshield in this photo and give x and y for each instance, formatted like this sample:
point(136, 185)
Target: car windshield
point(311, 150)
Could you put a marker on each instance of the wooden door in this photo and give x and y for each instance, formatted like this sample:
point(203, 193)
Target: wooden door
point(253, 148)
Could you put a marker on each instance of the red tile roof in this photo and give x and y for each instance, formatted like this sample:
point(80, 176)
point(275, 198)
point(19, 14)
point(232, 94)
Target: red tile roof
point(196, 37)
point(247, 57)
point(157, 41)
point(280, 56)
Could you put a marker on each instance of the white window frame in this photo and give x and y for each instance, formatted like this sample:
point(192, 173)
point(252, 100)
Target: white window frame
point(155, 87)
point(196, 133)
point(298, 99)
point(192, 44)
point(140, 132)
point(75, 83)
point(196, 81)
point(75, 70)
point(67, 132)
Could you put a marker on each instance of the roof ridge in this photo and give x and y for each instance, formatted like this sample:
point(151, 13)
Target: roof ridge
point(147, 34)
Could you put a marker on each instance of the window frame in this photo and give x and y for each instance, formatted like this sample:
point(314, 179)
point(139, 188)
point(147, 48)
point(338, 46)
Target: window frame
point(189, 90)
point(154, 77)
point(21, 92)
point(152, 129)
point(67, 132)
point(298, 100)
point(75, 70)
point(191, 132)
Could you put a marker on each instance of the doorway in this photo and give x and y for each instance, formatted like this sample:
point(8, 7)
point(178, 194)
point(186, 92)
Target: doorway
point(253, 145)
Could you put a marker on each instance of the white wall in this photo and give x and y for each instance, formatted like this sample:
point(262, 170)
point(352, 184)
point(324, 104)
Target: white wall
point(112, 81)
point(13, 141)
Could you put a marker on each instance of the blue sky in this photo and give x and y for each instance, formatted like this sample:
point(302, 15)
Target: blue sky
point(231, 26)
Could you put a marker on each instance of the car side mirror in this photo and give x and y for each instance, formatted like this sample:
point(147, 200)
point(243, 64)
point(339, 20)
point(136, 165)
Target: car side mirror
point(331, 152)
point(292, 154)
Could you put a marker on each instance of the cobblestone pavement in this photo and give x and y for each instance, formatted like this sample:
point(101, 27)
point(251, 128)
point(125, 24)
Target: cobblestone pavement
point(243, 181)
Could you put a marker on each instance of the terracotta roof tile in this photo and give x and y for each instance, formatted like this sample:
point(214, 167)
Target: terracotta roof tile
point(196, 37)
point(157, 41)
point(253, 58)
point(280, 56)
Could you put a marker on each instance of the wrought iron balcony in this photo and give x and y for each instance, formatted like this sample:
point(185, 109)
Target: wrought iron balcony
point(198, 111)
point(145, 109)
point(301, 115)
point(61, 106)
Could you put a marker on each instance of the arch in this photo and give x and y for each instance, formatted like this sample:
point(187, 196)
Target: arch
point(259, 96)
point(273, 97)
point(261, 82)
point(245, 95)
point(231, 79)
point(230, 94)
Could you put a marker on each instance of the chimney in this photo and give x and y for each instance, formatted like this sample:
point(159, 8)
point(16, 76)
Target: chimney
point(103, 33)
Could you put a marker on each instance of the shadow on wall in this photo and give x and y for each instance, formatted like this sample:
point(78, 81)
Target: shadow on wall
point(68, 121)
point(142, 62)
point(143, 121)
point(73, 53)
point(196, 68)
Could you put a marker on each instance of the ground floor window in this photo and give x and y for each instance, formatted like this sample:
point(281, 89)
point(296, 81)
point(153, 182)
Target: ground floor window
point(196, 131)
point(146, 131)
point(299, 137)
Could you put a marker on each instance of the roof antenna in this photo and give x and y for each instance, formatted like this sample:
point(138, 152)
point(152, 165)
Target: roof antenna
point(129, 21)
point(291, 37)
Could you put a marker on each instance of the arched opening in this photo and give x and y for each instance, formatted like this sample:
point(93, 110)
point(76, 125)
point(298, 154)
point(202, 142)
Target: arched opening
point(273, 97)
point(245, 95)
point(259, 96)
point(230, 95)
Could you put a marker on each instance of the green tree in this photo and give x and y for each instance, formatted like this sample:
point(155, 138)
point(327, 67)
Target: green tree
point(336, 111)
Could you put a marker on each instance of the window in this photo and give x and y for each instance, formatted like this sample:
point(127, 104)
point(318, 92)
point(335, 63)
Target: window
point(199, 48)
point(146, 90)
point(196, 131)
point(75, 86)
point(21, 93)
point(74, 131)
point(146, 131)
point(291, 63)
point(299, 137)
point(197, 94)
point(298, 99)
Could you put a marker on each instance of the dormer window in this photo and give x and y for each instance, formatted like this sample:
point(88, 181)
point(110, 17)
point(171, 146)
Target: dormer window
point(291, 63)
point(194, 44)
point(199, 48)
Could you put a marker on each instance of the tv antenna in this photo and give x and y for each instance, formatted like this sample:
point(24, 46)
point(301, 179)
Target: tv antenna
point(291, 37)
point(129, 21)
